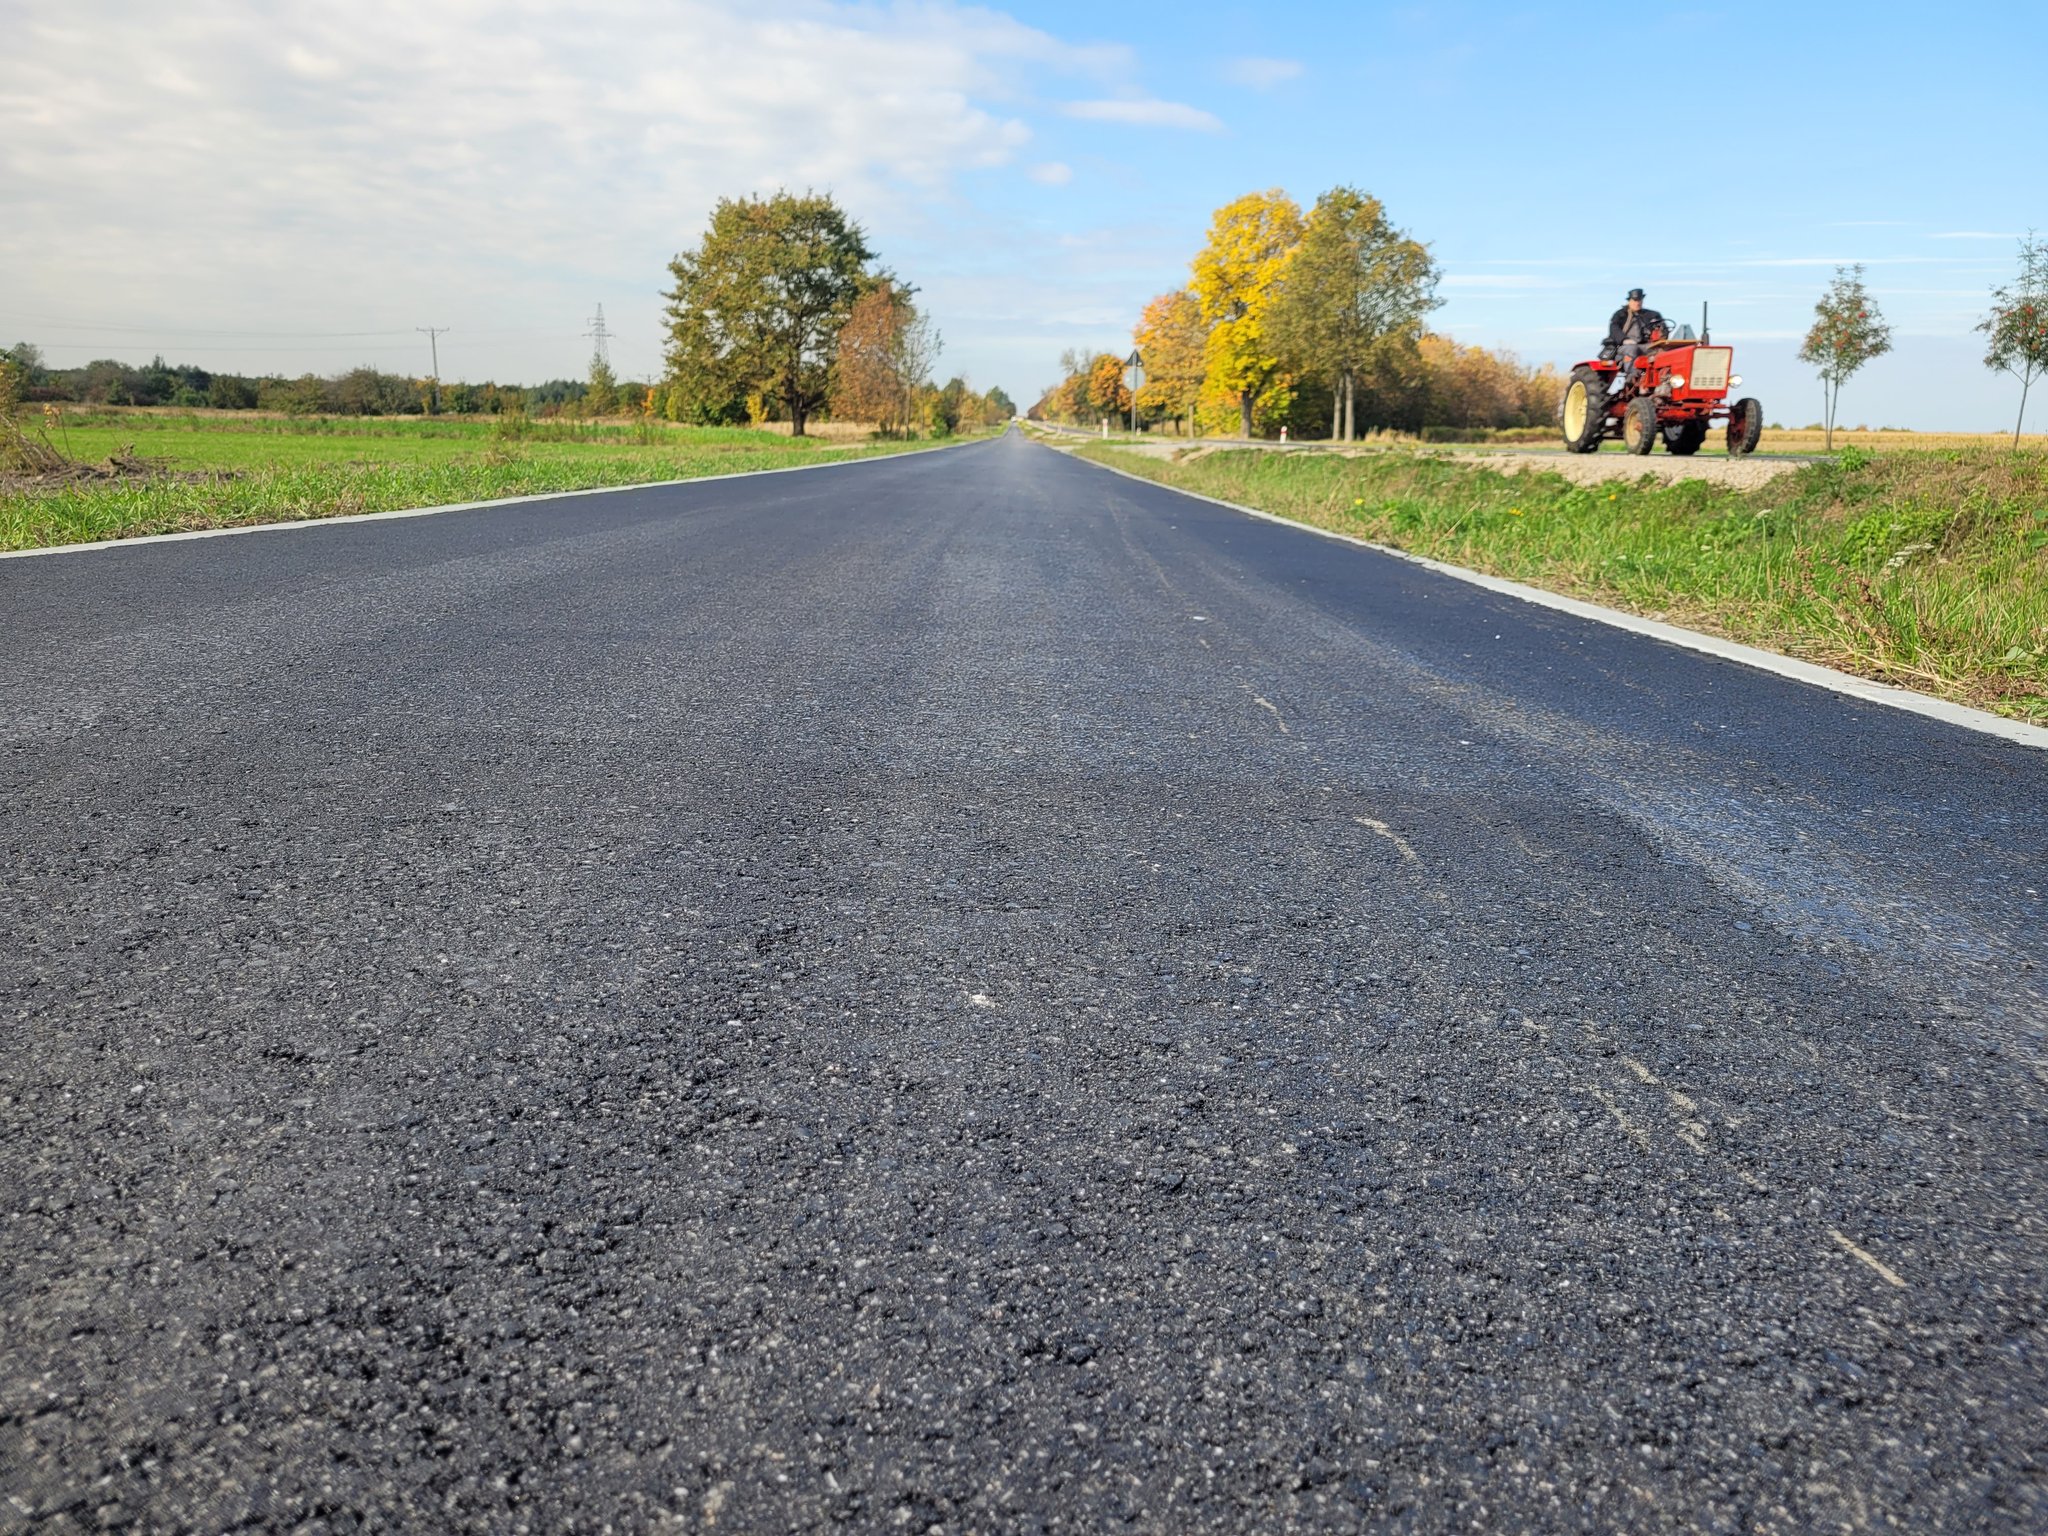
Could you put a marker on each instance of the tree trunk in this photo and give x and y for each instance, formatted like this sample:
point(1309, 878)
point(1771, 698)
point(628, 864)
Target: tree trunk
point(2026, 381)
point(1337, 409)
point(1244, 407)
point(1350, 408)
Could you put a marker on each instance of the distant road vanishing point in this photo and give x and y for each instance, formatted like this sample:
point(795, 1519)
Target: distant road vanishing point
point(964, 993)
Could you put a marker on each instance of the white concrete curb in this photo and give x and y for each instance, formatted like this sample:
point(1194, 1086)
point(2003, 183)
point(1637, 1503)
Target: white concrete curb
point(298, 523)
point(1727, 650)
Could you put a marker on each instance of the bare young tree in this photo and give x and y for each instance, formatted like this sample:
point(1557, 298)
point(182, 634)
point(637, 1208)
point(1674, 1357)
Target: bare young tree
point(2018, 324)
point(1847, 332)
point(918, 346)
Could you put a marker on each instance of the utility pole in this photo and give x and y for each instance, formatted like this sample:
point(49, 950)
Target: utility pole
point(434, 333)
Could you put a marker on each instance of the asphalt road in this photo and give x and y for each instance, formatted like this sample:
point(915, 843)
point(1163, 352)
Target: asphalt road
point(964, 993)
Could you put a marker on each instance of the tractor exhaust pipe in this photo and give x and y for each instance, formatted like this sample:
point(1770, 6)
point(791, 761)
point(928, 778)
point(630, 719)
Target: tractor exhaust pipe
point(1705, 334)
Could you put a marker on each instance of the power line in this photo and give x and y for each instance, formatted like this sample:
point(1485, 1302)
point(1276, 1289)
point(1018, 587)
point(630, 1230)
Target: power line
point(165, 330)
point(23, 321)
point(238, 348)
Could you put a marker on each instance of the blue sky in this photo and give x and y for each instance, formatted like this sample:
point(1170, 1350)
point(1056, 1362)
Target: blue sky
point(297, 186)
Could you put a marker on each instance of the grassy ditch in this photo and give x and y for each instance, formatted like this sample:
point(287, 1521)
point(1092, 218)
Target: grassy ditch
point(166, 474)
point(1928, 570)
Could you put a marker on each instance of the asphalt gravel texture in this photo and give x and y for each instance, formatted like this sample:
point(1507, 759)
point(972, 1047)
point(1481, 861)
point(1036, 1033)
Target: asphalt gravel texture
point(964, 993)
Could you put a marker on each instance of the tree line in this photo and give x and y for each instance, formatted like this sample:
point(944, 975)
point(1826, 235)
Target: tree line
point(782, 312)
point(1309, 323)
point(362, 391)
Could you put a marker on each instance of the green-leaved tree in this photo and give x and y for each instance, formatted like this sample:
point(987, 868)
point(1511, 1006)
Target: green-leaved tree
point(601, 395)
point(2018, 325)
point(1354, 284)
point(758, 305)
point(1848, 331)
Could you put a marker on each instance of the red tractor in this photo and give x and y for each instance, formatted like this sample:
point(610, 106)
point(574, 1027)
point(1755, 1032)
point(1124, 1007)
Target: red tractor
point(1676, 390)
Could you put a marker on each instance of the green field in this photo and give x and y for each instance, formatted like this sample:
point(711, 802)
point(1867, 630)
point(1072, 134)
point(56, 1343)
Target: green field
point(1926, 569)
point(217, 471)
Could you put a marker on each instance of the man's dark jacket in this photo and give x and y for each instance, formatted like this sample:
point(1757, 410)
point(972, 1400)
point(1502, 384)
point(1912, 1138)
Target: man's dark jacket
point(1649, 320)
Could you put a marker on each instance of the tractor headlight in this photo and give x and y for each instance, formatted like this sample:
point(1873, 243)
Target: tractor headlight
point(1734, 379)
point(1678, 381)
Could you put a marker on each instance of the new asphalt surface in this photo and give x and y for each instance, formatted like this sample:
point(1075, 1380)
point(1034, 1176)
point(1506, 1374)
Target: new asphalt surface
point(963, 993)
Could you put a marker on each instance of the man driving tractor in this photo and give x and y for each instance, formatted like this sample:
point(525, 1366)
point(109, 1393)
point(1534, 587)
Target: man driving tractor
point(1654, 383)
point(1630, 330)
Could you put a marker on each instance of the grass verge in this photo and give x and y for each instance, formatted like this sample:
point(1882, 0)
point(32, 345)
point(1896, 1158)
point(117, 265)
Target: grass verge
point(1928, 570)
point(215, 478)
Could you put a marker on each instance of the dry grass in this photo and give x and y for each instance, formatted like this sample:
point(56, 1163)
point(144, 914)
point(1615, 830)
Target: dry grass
point(825, 431)
point(1798, 440)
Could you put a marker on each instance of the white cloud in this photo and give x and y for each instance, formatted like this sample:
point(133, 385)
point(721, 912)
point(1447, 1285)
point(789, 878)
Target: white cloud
point(1263, 74)
point(1052, 173)
point(493, 165)
point(1145, 112)
point(1972, 234)
point(312, 66)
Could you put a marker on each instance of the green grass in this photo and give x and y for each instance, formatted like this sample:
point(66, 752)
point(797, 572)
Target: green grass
point(230, 471)
point(1924, 569)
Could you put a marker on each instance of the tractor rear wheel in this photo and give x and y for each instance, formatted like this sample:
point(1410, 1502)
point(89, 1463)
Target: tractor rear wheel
point(1745, 426)
point(1685, 437)
point(1583, 415)
point(1639, 425)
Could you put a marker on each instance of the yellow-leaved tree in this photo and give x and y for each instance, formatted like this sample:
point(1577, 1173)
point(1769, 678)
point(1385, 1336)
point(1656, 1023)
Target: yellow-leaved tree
point(1235, 276)
point(1355, 285)
point(1108, 395)
point(1171, 338)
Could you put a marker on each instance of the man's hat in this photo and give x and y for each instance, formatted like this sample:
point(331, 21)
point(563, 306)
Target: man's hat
point(1635, 293)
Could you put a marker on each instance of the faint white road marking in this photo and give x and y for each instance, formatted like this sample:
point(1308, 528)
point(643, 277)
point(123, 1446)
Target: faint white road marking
point(1636, 1133)
point(981, 1000)
point(1268, 705)
point(1693, 1131)
point(1391, 836)
point(1890, 1275)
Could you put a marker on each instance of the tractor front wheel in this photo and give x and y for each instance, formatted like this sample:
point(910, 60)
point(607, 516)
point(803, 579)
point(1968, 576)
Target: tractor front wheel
point(1639, 425)
point(1685, 437)
point(1745, 426)
point(1583, 415)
